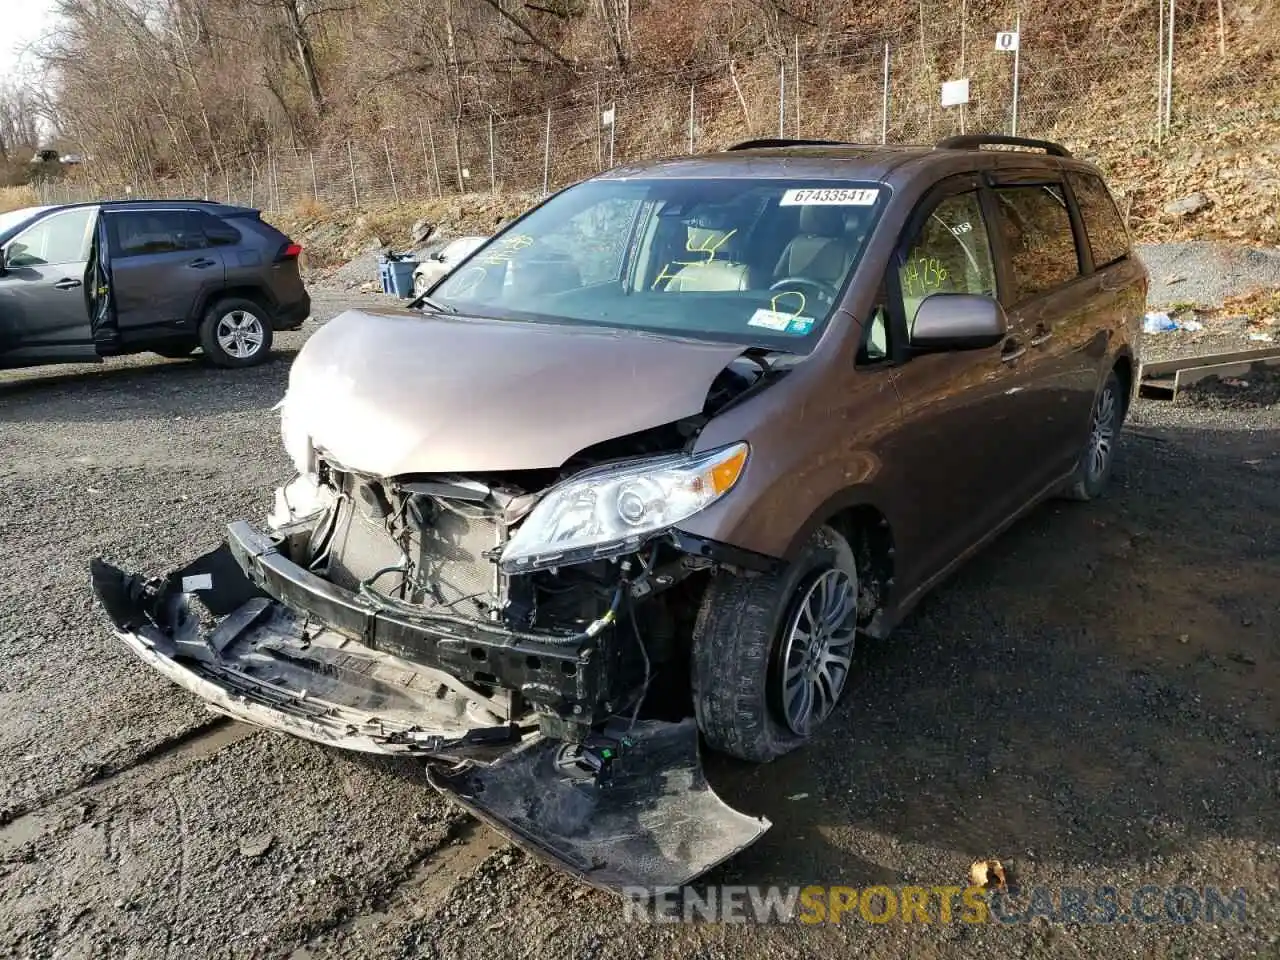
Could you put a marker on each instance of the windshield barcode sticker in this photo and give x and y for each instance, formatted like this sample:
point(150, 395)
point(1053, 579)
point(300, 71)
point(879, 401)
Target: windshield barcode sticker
point(832, 197)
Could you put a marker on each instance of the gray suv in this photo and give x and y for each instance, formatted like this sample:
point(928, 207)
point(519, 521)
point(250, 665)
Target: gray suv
point(81, 282)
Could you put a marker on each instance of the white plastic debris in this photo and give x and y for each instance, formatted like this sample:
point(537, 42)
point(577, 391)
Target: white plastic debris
point(1158, 323)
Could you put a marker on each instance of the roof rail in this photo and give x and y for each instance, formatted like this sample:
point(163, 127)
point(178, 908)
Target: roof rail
point(783, 142)
point(973, 141)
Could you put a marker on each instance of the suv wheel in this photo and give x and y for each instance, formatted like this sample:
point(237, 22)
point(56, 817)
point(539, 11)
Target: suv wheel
point(1094, 468)
point(236, 333)
point(772, 654)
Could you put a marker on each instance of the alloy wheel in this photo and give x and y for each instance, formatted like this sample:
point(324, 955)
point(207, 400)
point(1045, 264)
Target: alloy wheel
point(818, 651)
point(240, 334)
point(1102, 432)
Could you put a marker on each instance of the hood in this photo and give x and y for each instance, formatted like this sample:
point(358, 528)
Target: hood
point(389, 392)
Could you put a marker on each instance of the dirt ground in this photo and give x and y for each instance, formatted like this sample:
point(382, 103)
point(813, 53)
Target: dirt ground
point(1095, 700)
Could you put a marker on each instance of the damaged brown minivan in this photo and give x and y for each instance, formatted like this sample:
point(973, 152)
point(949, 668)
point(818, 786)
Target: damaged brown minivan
point(638, 474)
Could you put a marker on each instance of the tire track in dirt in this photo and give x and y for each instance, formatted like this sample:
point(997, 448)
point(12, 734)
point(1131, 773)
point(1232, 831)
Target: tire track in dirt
point(159, 762)
point(425, 887)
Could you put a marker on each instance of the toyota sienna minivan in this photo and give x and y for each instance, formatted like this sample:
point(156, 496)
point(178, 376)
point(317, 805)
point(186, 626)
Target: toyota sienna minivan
point(640, 471)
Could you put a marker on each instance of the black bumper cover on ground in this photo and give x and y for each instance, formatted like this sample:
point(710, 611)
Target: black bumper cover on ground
point(652, 822)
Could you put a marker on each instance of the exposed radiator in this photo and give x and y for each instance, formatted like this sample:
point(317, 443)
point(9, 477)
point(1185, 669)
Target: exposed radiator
point(449, 571)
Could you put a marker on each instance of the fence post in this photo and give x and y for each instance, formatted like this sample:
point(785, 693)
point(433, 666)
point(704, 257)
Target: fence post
point(691, 86)
point(355, 190)
point(270, 190)
point(884, 102)
point(206, 185)
point(457, 155)
point(1160, 74)
point(315, 184)
point(226, 175)
point(782, 98)
point(253, 170)
point(546, 157)
point(395, 190)
point(435, 160)
point(493, 180)
point(964, 22)
point(613, 126)
point(1168, 86)
point(1017, 57)
point(796, 84)
point(599, 144)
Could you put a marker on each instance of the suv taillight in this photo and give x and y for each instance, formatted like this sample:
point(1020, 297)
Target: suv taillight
point(290, 251)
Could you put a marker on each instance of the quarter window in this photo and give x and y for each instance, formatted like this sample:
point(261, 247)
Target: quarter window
point(216, 233)
point(1108, 238)
point(1036, 229)
point(59, 238)
point(950, 254)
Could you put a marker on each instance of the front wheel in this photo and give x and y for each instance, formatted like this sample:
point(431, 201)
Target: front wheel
point(1094, 469)
point(236, 333)
point(772, 654)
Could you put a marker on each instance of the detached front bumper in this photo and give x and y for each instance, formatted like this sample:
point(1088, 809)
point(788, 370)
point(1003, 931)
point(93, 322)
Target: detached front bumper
point(645, 818)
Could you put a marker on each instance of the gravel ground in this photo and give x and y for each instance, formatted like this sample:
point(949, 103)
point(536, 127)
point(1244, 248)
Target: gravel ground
point(1095, 699)
point(1205, 272)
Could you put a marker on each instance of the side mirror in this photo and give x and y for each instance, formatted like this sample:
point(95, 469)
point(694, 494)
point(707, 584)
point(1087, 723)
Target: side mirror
point(4, 261)
point(958, 321)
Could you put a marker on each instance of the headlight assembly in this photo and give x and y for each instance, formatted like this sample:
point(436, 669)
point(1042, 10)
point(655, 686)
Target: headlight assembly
point(609, 511)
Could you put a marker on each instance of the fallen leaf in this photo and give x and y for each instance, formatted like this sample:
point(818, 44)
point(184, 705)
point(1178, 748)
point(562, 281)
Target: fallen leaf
point(987, 874)
point(256, 846)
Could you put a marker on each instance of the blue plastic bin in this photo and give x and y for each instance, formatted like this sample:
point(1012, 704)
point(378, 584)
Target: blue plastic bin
point(396, 274)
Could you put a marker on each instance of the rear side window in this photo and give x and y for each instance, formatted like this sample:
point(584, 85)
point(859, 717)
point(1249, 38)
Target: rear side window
point(1108, 238)
point(1036, 228)
point(217, 233)
point(142, 232)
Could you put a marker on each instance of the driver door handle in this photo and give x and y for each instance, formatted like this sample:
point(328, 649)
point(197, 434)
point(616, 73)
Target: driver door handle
point(201, 263)
point(67, 284)
point(1043, 336)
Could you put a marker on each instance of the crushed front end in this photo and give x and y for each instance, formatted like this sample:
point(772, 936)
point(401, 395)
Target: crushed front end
point(468, 619)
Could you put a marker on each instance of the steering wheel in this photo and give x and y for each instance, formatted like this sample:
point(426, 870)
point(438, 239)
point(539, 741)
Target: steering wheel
point(825, 291)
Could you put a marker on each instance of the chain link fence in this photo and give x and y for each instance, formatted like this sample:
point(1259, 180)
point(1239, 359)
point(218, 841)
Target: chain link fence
point(1118, 87)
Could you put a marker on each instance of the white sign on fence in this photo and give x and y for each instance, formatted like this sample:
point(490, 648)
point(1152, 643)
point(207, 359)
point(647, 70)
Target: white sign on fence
point(1007, 41)
point(955, 92)
point(606, 118)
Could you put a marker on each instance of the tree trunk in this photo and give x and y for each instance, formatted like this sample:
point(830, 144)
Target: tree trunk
point(305, 55)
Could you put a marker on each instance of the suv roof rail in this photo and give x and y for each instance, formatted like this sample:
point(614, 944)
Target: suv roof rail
point(785, 142)
point(973, 141)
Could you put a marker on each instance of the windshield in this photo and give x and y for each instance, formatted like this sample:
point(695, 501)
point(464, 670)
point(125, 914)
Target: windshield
point(741, 260)
point(14, 217)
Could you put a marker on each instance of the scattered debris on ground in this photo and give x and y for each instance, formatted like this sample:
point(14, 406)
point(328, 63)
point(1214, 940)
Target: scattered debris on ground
point(1258, 389)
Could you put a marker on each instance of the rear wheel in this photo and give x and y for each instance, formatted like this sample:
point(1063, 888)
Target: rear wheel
point(1094, 469)
point(772, 654)
point(236, 333)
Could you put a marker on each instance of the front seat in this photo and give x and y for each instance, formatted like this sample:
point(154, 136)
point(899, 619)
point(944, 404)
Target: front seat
point(717, 269)
point(819, 251)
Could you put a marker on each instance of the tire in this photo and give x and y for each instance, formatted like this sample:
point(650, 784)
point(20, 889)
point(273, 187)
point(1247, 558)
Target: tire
point(741, 639)
point(218, 333)
point(1093, 472)
point(178, 351)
